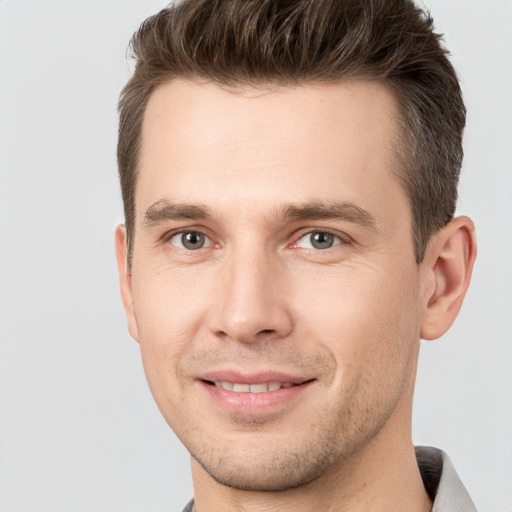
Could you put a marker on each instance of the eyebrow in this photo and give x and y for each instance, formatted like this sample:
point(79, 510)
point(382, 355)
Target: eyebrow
point(345, 211)
point(163, 211)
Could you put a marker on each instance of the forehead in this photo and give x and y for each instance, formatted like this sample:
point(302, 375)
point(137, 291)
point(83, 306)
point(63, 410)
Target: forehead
point(255, 146)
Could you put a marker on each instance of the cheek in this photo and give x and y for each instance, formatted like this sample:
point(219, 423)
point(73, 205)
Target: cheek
point(368, 316)
point(168, 317)
point(166, 305)
point(369, 322)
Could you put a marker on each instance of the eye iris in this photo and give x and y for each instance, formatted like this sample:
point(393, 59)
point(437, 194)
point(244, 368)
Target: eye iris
point(322, 240)
point(192, 240)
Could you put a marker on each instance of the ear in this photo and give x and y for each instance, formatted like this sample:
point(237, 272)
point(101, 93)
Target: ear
point(125, 281)
point(449, 263)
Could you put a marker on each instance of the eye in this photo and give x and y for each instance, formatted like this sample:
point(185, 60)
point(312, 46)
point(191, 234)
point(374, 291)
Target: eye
point(190, 240)
point(318, 240)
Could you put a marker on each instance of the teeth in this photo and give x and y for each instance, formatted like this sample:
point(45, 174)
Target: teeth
point(258, 388)
point(242, 388)
point(253, 388)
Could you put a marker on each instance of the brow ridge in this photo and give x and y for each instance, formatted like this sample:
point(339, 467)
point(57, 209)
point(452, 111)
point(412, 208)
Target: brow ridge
point(163, 211)
point(346, 211)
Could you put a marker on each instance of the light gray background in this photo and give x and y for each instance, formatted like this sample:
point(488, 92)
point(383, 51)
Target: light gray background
point(78, 428)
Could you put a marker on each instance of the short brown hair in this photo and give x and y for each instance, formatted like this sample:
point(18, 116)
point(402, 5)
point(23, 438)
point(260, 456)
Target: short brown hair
point(287, 42)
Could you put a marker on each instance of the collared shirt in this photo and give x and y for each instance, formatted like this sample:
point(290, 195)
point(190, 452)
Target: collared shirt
point(441, 482)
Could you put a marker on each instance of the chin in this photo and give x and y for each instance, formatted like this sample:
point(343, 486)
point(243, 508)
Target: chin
point(264, 464)
point(281, 473)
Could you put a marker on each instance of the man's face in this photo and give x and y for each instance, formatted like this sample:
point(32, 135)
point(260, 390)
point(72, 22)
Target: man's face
point(274, 289)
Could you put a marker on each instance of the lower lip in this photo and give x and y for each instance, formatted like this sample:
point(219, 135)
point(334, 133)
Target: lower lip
point(254, 403)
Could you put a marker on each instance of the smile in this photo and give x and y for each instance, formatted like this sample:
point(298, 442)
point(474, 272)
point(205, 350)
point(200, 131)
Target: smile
point(253, 388)
point(254, 395)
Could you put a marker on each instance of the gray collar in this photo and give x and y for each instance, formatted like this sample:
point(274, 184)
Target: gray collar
point(442, 482)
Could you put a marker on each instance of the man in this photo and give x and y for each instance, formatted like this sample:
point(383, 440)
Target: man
point(289, 175)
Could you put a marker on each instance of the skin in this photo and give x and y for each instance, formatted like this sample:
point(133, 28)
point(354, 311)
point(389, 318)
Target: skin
point(257, 171)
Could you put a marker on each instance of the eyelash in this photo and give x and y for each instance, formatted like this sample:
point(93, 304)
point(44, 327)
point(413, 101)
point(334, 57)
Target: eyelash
point(169, 236)
point(339, 239)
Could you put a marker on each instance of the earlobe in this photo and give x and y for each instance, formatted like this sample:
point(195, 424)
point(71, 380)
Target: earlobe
point(449, 260)
point(125, 281)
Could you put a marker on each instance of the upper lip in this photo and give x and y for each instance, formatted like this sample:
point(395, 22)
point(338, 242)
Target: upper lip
point(253, 377)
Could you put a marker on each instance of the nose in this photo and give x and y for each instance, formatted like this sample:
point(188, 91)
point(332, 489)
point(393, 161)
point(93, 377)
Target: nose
point(251, 302)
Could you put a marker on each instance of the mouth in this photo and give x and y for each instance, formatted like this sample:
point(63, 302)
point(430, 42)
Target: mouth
point(263, 387)
point(254, 395)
